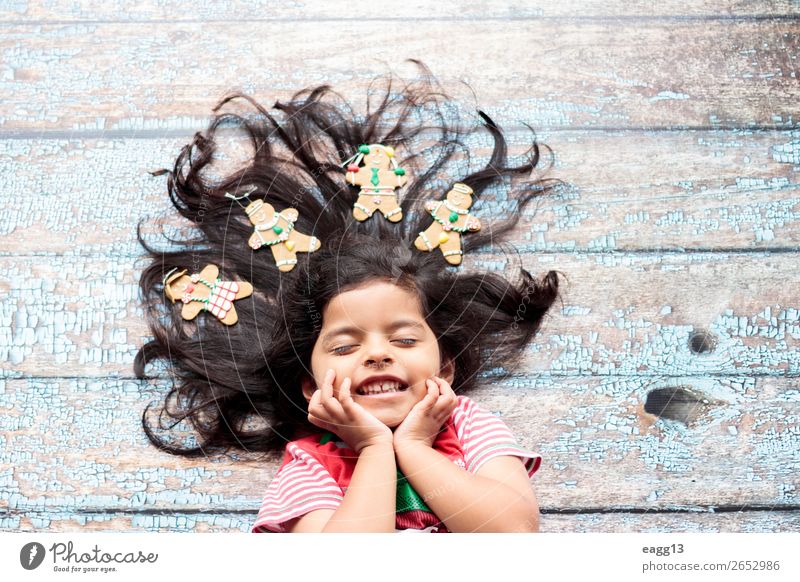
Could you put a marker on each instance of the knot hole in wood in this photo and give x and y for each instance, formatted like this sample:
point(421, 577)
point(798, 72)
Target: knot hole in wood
point(702, 342)
point(681, 404)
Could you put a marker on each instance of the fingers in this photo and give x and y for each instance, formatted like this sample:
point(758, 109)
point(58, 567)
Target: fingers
point(316, 412)
point(445, 389)
point(327, 383)
point(344, 394)
point(315, 405)
point(351, 409)
point(332, 406)
point(431, 396)
point(424, 405)
point(446, 399)
point(324, 410)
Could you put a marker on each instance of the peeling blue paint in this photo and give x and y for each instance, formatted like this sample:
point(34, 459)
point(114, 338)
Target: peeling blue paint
point(669, 96)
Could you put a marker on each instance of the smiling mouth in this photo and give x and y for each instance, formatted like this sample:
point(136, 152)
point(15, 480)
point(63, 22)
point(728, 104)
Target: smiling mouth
point(377, 388)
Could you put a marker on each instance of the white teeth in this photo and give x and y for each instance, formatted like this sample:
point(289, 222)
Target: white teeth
point(380, 387)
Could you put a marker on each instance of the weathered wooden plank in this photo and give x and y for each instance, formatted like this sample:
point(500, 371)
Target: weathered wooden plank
point(633, 314)
point(605, 450)
point(730, 522)
point(659, 191)
point(611, 73)
point(75, 445)
point(622, 315)
point(407, 12)
point(72, 454)
point(98, 522)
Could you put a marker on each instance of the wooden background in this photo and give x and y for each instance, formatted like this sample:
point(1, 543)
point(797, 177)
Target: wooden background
point(674, 124)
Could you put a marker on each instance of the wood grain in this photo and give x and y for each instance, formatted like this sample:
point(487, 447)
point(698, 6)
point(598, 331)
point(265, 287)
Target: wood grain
point(622, 314)
point(682, 190)
point(406, 12)
point(214, 522)
point(674, 127)
point(77, 444)
point(588, 74)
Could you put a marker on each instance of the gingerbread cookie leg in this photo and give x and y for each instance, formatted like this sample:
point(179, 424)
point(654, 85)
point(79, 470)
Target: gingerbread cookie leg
point(285, 259)
point(392, 212)
point(363, 208)
point(231, 317)
point(451, 248)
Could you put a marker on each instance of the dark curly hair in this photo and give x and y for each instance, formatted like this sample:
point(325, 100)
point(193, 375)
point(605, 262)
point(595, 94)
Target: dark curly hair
point(239, 386)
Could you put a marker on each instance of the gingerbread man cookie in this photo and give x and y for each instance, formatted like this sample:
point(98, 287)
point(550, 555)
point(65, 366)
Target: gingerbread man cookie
point(276, 230)
point(377, 181)
point(205, 291)
point(451, 218)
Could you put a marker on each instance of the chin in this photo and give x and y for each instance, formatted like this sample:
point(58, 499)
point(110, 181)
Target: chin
point(390, 415)
point(393, 425)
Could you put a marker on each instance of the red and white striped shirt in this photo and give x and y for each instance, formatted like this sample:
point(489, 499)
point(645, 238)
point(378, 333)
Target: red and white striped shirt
point(315, 475)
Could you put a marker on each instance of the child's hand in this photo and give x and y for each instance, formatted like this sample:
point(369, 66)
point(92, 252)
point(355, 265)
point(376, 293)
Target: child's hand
point(428, 415)
point(344, 417)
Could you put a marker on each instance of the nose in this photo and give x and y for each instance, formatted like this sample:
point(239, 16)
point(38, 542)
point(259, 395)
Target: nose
point(377, 356)
point(379, 364)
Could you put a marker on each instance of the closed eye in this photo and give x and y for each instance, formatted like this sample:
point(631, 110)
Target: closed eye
point(407, 342)
point(341, 349)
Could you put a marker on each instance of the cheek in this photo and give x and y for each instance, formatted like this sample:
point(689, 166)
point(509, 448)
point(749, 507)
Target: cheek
point(321, 362)
point(317, 363)
point(423, 366)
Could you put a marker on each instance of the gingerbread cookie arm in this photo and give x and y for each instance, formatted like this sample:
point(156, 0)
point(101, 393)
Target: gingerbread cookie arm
point(245, 290)
point(210, 273)
point(473, 223)
point(429, 238)
point(289, 214)
point(255, 241)
point(304, 243)
point(391, 178)
point(357, 178)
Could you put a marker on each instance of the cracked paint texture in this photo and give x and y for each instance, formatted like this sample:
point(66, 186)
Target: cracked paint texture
point(676, 140)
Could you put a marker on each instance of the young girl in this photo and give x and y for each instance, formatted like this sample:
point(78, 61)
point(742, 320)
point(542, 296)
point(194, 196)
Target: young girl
point(351, 358)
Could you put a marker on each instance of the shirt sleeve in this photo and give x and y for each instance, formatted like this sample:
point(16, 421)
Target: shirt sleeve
point(484, 436)
point(301, 485)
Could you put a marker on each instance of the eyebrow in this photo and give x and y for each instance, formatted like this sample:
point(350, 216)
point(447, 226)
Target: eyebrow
point(353, 330)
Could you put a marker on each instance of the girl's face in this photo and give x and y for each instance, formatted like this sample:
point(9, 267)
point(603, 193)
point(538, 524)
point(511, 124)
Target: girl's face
point(377, 336)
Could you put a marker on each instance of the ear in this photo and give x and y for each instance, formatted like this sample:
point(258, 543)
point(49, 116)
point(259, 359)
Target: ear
point(448, 370)
point(309, 387)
